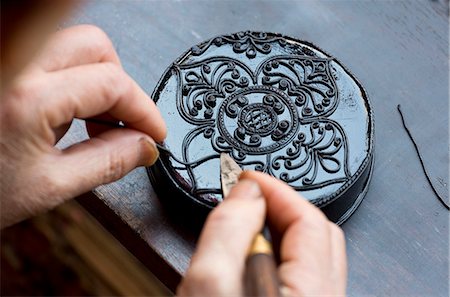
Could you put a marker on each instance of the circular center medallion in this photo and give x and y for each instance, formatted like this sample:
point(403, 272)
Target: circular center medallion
point(257, 120)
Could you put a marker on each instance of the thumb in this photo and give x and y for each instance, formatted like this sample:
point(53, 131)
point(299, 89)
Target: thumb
point(103, 159)
point(218, 264)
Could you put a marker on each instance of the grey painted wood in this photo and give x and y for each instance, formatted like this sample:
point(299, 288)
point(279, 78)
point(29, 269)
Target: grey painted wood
point(397, 240)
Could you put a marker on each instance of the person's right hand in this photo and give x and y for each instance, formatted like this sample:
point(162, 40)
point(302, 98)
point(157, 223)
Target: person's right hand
point(312, 249)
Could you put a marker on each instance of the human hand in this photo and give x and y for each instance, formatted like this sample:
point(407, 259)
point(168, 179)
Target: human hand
point(312, 249)
point(77, 75)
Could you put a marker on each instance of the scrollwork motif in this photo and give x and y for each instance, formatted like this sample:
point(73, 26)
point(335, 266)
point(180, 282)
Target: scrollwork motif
point(271, 117)
point(319, 146)
point(246, 42)
point(308, 80)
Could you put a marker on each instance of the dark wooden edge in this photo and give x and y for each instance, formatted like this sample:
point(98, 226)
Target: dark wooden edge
point(130, 240)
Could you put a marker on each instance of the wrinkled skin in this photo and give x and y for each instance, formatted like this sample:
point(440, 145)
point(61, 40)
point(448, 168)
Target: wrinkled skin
point(76, 75)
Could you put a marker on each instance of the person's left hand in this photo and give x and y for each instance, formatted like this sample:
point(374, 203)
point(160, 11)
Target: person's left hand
point(77, 75)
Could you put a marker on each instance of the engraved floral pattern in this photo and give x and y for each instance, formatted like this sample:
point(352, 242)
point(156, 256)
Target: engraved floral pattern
point(271, 117)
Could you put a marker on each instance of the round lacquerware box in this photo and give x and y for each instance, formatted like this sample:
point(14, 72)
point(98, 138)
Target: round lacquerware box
point(274, 104)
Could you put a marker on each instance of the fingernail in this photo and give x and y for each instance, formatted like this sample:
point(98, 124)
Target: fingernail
point(150, 152)
point(248, 189)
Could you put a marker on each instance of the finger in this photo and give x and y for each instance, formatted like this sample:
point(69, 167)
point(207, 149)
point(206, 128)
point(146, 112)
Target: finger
point(89, 90)
point(281, 198)
point(74, 46)
point(102, 159)
point(221, 252)
point(305, 253)
point(305, 250)
point(339, 259)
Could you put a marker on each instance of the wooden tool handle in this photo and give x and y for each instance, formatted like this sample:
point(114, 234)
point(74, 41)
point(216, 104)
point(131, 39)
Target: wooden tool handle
point(261, 278)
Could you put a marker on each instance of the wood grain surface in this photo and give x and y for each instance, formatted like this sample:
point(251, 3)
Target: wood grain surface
point(397, 241)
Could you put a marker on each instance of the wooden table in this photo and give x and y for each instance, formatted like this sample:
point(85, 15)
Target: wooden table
point(397, 241)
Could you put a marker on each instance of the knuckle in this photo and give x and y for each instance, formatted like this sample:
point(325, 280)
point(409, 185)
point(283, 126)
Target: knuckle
point(100, 40)
point(115, 167)
point(93, 30)
point(113, 72)
point(117, 77)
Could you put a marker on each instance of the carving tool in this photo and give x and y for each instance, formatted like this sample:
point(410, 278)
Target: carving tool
point(118, 125)
point(121, 126)
point(260, 277)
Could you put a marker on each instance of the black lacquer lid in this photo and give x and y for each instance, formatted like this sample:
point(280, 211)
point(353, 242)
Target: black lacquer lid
point(275, 104)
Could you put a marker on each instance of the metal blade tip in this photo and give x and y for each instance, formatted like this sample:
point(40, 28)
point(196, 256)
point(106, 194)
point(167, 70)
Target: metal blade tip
point(229, 173)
